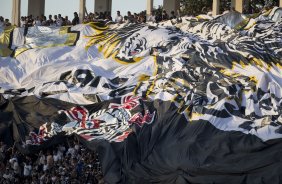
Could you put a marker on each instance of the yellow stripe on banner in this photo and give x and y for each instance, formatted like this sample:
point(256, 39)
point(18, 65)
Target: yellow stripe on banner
point(135, 59)
point(156, 66)
point(267, 12)
point(71, 37)
point(242, 64)
point(251, 25)
point(258, 62)
point(151, 88)
point(279, 66)
point(143, 77)
point(146, 77)
point(254, 79)
point(95, 25)
point(110, 49)
point(5, 39)
point(19, 51)
point(195, 116)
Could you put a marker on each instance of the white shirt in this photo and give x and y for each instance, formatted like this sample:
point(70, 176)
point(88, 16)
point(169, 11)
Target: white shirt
point(27, 170)
point(76, 147)
point(118, 19)
point(57, 157)
point(151, 18)
point(7, 176)
point(37, 23)
point(22, 25)
point(59, 22)
point(28, 142)
point(45, 167)
point(71, 151)
point(16, 167)
point(42, 159)
point(209, 13)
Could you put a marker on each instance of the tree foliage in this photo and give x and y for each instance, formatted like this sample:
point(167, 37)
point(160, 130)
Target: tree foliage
point(192, 7)
point(196, 7)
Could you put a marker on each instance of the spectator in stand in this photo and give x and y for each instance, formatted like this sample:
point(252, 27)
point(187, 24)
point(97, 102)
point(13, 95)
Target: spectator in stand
point(125, 19)
point(2, 24)
point(92, 17)
point(178, 19)
point(50, 160)
point(209, 12)
point(55, 20)
point(37, 22)
point(15, 165)
point(136, 17)
point(22, 22)
point(49, 21)
point(7, 175)
point(226, 10)
point(44, 21)
point(142, 17)
point(173, 16)
point(75, 20)
point(108, 16)
point(130, 18)
point(88, 17)
point(96, 16)
point(56, 156)
point(152, 17)
point(165, 16)
point(30, 21)
point(119, 18)
point(45, 166)
point(59, 20)
point(101, 16)
point(158, 17)
point(67, 21)
point(7, 23)
point(27, 170)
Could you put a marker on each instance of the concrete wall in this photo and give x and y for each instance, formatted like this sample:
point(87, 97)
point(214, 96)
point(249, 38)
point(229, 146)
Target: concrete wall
point(36, 7)
point(215, 7)
point(171, 5)
point(150, 6)
point(16, 12)
point(81, 13)
point(103, 5)
point(239, 5)
point(280, 3)
point(233, 2)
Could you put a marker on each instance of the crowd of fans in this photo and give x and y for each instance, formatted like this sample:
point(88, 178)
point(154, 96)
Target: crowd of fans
point(69, 162)
point(4, 22)
point(63, 164)
point(58, 20)
point(156, 16)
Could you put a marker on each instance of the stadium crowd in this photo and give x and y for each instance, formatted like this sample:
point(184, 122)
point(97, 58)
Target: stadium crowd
point(70, 162)
point(157, 15)
point(63, 164)
point(59, 20)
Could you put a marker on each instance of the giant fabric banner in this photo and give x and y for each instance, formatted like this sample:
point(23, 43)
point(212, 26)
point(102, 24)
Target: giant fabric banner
point(197, 101)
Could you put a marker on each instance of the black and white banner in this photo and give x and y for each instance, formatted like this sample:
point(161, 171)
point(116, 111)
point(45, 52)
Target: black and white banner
point(193, 102)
